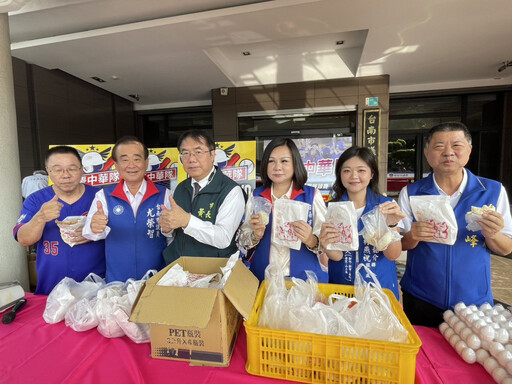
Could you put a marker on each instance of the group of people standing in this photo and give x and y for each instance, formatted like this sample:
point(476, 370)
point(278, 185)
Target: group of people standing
point(136, 225)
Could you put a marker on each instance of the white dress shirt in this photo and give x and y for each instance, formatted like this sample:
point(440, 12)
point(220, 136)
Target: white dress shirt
point(229, 216)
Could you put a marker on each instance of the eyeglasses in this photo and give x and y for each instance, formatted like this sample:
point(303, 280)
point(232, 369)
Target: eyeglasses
point(185, 155)
point(60, 171)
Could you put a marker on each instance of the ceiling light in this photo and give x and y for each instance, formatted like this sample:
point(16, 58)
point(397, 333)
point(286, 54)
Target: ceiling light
point(135, 96)
point(505, 65)
point(98, 79)
point(246, 53)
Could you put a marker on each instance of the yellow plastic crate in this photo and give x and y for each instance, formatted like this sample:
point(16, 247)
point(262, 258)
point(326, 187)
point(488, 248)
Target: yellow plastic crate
point(313, 358)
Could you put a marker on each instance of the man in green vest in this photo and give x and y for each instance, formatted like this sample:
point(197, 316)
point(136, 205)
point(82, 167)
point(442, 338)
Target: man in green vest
point(206, 208)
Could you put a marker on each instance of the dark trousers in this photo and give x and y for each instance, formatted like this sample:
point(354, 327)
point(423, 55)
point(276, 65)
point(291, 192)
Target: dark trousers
point(420, 312)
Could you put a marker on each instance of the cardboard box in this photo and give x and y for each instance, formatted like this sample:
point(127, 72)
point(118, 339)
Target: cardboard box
point(199, 325)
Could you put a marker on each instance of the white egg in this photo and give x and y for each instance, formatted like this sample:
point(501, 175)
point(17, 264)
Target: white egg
point(481, 355)
point(479, 323)
point(484, 344)
point(499, 318)
point(490, 364)
point(454, 339)
point(487, 333)
point(448, 333)
point(495, 348)
point(464, 313)
point(485, 307)
point(472, 318)
point(460, 346)
point(473, 307)
point(459, 326)
point(491, 312)
point(507, 314)
point(480, 313)
point(499, 308)
point(447, 314)
point(473, 341)
point(508, 367)
point(502, 336)
point(442, 327)
point(495, 326)
point(499, 374)
point(487, 319)
point(465, 332)
point(453, 320)
point(469, 355)
point(504, 357)
point(459, 306)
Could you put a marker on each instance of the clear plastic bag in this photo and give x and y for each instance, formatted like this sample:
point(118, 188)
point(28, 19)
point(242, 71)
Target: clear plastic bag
point(66, 293)
point(137, 332)
point(174, 277)
point(107, 298)
point(437, 211)
point(69, 227)
point(82, 315)
point(376, 231)
point(262, 207)
point(375, 318)
point(285, 213)
point(475, 214)
point(343, 216)
point(274, 311)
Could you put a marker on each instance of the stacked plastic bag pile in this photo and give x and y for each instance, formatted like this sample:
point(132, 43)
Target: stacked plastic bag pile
point(92, 303)
point(482, 334)
point(367, 315)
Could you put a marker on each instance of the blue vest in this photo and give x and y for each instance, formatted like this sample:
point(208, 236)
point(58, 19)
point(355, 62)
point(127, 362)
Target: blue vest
point(134, 244)
point(300, 260)
point(343, 271)
point(444, 275)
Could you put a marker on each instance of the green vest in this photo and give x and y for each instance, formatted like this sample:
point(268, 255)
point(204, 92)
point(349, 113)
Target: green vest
point(205, 207)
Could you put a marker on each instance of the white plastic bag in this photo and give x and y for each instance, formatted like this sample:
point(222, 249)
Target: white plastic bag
point(436, 210)
point(66, 293)
point(475, 214)
point(376, 231)
point(107, 298)
point(262, 208)
point(375, 318)
point(69, 227)
point(82, 315)
point(285, 213)
point(344, 217)
point(174, 277)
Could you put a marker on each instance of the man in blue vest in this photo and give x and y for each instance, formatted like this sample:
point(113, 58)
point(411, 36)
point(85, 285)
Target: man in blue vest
point(126, 215)
point(438, 276)
point(206, 209)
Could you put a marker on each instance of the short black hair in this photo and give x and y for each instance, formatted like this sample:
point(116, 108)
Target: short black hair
point(62, 150)
point(300, 175)
point(448, 127)
point(368, 157)
point(129, 140)
point(197, 135)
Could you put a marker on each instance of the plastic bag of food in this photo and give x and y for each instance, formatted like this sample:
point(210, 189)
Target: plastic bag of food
point(71, 229)
point(475, 214)
point(174, 277)
point(137, 332)
point(82, 315)
point(107, 298)
point(376, 231)
point(437, 211)
point(274, 310)
point(343, 216)
point(285, 213)
point(374, 317)
point(66, 293)
point(262, 208)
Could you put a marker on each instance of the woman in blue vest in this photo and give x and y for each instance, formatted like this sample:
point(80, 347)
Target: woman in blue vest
point(284, 176)
point(357, 180)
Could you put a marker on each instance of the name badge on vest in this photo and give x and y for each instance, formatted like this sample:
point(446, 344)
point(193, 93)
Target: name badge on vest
point(118, 210)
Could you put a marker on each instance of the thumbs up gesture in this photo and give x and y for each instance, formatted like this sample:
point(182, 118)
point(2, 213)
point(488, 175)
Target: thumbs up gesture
point(99, 219)
point(50, 210)
point(173, 218)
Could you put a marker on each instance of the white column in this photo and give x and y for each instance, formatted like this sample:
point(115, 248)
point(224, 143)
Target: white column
point(13, 257)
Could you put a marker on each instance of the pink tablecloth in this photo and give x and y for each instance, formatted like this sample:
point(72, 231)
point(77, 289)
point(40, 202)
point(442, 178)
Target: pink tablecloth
point(32, 351)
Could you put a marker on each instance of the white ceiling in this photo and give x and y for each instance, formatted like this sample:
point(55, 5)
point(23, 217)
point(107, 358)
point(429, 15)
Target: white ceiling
point(172, 53)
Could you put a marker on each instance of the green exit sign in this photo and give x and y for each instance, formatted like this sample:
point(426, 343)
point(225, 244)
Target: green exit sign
point(372, 101)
